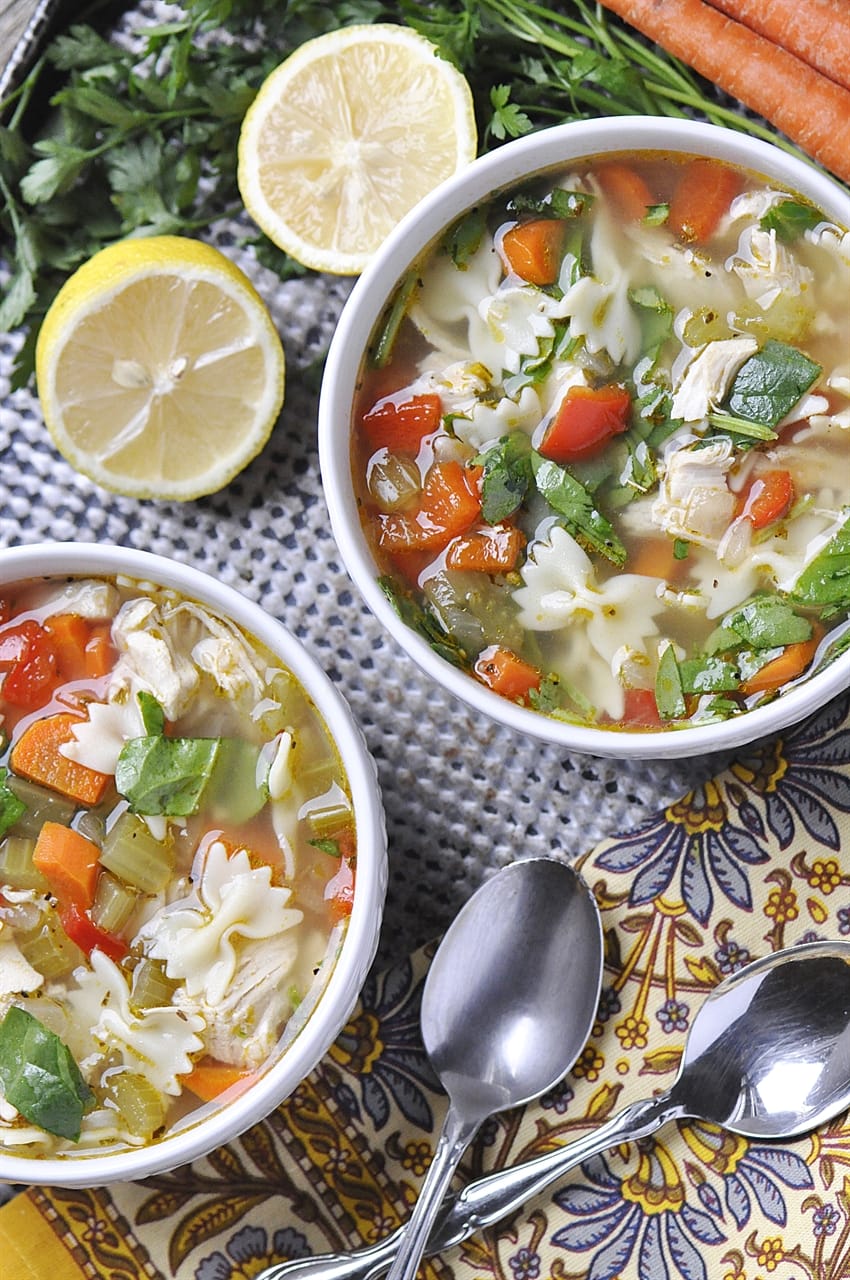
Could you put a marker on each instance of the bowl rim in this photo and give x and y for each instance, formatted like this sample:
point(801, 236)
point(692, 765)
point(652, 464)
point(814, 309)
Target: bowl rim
point(359, 943)
point(507, 166)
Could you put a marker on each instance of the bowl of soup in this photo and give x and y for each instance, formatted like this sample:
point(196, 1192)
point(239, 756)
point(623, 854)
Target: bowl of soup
point(192, 864)
point(585, 436)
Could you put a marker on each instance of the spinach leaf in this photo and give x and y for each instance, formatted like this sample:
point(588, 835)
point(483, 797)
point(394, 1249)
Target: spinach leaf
point(708, 675)
point(656, 215)
point(769, 384)
point(40, 1077)
point(789, 219)
point(572, 501)
point(153, 716)
point(766, 622)
point(826, 581)
point(159, 775)
point(669, 694)
point(507, 476)
point(11, 806)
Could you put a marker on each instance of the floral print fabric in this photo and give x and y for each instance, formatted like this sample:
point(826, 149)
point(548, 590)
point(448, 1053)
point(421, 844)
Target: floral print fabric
point(755, 860)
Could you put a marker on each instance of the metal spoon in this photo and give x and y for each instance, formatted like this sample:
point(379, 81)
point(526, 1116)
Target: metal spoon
point(767, 1056)
point(507, 1007)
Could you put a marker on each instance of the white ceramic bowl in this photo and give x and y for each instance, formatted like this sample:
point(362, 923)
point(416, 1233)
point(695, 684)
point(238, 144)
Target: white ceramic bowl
point(211, 1125)
point(512, 164)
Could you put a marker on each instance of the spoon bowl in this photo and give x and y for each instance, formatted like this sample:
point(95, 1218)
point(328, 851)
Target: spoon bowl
point(768, 1055)
point(507, 1007)
point(512, 991)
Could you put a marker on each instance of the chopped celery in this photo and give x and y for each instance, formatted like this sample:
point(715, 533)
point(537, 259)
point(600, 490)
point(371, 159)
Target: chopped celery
point(140, 1104)
point(49, 949)
point(151, 988)
point(327, 813)
point(114, 903)
point(42, 806)
point(132, 854)
point(236, 789)
point(317, 777)
point(16, 864)
point(91, 825)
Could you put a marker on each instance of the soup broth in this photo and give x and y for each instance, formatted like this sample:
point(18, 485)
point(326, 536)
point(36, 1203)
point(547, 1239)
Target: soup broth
point(176, 861)
point(602, 443)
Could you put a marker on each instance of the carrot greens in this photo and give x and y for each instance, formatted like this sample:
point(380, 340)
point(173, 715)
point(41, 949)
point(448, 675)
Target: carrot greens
point(133, 131)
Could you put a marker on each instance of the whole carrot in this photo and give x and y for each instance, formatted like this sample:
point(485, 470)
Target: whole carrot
point(817, 31)
point(810, 109)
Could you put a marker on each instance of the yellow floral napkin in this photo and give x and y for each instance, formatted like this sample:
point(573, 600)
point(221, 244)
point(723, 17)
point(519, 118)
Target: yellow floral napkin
point(748, 863)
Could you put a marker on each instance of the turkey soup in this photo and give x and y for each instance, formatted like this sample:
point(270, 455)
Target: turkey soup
point(176, 861)
point(602, 442)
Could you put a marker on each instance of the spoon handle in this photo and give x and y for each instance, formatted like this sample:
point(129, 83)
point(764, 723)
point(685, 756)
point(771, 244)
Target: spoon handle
point(486, 1200)
point(456, 1135)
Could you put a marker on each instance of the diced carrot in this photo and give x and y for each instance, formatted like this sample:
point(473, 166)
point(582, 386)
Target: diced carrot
point(767, 498)
point(790, 663)
point(494, 549)
point(100, 652)
point(68, 861)
point(534, 249)
point(450, 503)
point(36, 756)
point(70, 634)
point(654, 558)
point(506, 673)
point(210, 1078)
point(587, 418)
point(402, 427)
point(702, 195)
point(626, 189)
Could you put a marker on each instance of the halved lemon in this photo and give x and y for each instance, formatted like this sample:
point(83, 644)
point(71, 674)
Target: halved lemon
point(346, 136)
point(159, 369)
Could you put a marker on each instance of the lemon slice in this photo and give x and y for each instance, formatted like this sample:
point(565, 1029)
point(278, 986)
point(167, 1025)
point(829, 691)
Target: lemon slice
point(159, 369)
point(346, 136)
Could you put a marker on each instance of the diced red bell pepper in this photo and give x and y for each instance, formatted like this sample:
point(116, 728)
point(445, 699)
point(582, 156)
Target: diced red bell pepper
point(588, 417)
point(402, 427)
point(641, 709)
point(28, 657)
point(82, 930)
